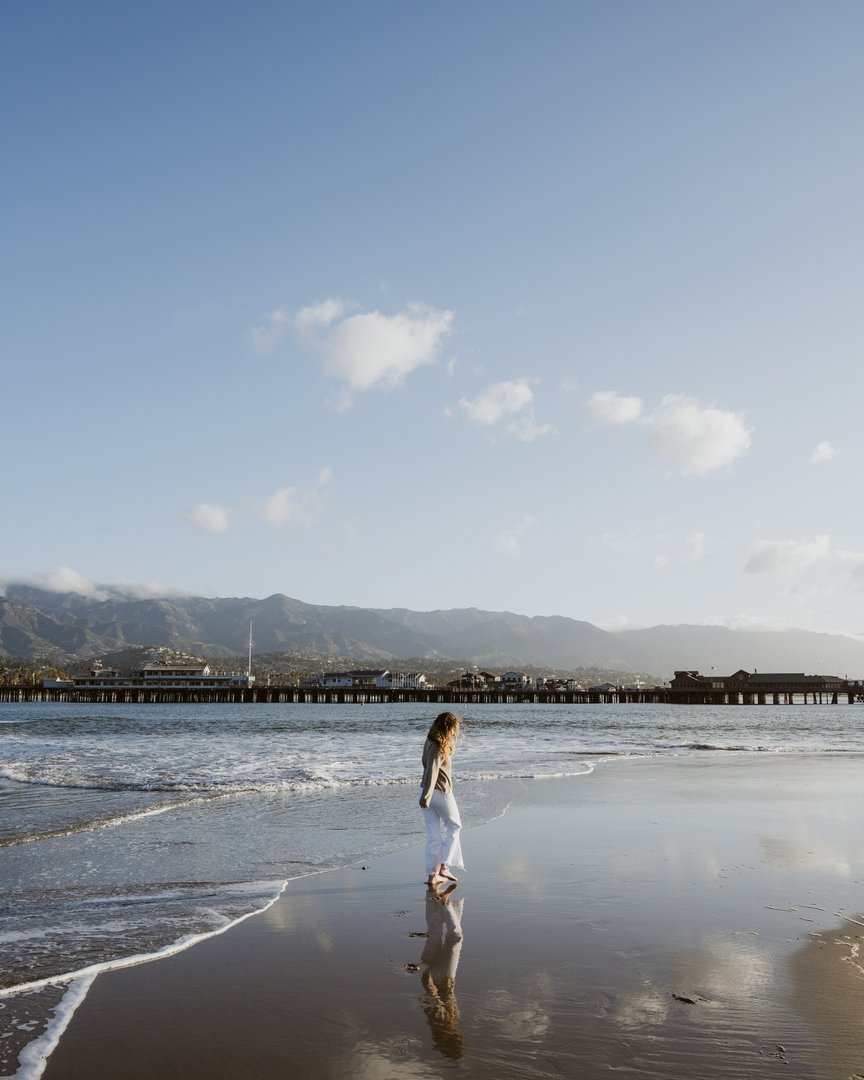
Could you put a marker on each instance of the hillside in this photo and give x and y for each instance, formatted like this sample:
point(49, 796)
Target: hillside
point(68, 628)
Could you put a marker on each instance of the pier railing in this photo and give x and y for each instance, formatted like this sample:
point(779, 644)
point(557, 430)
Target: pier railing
point(656, 695)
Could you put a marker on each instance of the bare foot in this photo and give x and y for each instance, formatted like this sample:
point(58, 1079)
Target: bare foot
point(434, 880)
point(445, 873)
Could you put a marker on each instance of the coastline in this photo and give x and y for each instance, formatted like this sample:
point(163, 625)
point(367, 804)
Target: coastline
point(668, 917)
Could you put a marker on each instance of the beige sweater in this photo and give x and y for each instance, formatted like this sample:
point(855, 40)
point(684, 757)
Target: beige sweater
point(436, 772)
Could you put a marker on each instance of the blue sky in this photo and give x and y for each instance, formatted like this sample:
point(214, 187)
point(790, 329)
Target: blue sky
point(553, 308)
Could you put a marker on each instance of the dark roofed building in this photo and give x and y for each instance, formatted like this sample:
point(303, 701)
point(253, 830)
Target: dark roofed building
point(759, 683)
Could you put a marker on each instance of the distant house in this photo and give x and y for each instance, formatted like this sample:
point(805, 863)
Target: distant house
point(408, 680)
point(552, 682)
point(471, 680)
point(515, 679)
point(371, 679)
point(334, 679)
point(489, 677)
point(353, 680)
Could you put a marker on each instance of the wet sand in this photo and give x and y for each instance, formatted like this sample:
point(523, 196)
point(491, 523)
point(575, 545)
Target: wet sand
point(689, 918)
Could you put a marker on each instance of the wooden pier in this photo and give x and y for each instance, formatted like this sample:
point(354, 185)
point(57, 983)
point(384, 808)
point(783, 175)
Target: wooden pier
point(793, 694)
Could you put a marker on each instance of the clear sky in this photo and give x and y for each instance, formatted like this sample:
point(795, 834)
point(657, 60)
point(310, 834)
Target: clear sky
point(551, 307)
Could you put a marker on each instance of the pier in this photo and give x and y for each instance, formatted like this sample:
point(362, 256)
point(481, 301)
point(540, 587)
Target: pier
point(833, 693)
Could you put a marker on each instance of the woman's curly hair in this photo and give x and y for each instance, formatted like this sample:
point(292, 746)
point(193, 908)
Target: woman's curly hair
point(445, 731)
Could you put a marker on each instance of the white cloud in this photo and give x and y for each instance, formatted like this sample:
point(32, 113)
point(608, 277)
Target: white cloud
point(291, 506)
point(699, 439)
point(497, 401)
point(853, 563)
point(270, 333)
point(507, 399)
point(66, 580)
point(209, 517)
point(319, 316)
point(287, 505)
point(509, 542)
point(570, 386)
point(824, 452)
point(610, 407)
point(788, 556)
point(141, 590)
point(370, 349)
point(525, 429)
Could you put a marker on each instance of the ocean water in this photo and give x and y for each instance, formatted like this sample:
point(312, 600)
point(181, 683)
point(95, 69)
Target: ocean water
point(132, 831)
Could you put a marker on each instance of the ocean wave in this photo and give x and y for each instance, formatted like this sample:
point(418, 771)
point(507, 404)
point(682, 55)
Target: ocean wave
point(255, 896)
point(548, 774)
point(338, 776)
point(37, 775)
point(218, 786)
point(105, 823)
point(129, 961)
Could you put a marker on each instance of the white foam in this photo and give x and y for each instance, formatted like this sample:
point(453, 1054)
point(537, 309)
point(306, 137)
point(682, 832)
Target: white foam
point(34, 1057)
point(92, 970)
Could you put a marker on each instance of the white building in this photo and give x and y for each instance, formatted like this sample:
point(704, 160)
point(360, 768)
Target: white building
point(409, 680)
point(154, 676)
point(372, 679)
point(515, 679)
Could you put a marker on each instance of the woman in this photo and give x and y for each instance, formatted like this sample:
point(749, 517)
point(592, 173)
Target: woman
point(443, 824)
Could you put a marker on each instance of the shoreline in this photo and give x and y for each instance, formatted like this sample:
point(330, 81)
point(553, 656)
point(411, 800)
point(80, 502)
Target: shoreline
point(665, 916)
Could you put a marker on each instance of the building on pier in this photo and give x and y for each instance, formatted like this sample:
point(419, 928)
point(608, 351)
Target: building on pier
point(369, 679)
point(515, 680)
point(758, 684)
point(153, 676)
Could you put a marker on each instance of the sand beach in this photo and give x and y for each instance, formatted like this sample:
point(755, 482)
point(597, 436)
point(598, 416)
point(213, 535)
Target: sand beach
point(692, 917)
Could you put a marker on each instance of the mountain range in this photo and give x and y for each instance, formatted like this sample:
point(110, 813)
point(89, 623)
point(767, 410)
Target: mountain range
point(69, 628)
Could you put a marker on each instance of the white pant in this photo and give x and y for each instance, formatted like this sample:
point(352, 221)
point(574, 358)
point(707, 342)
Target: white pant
point(442, 832)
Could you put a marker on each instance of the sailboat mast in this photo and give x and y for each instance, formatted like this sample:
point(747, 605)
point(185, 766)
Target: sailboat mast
point(249, 664)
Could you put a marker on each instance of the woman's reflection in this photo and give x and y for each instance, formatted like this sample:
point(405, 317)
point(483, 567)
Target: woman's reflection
point(438, 969)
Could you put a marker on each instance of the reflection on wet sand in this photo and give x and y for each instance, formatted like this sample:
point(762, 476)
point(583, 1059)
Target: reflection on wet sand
point(438, 964)
point(828, 994)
